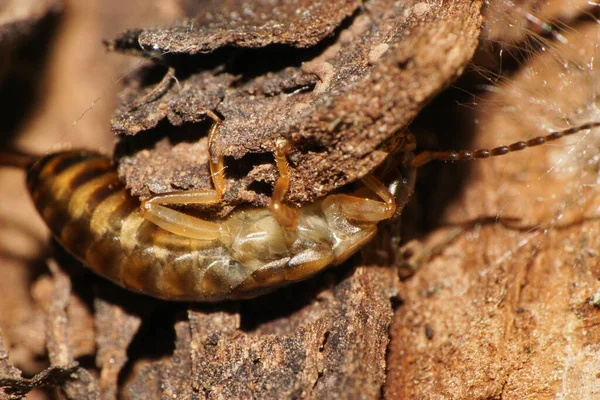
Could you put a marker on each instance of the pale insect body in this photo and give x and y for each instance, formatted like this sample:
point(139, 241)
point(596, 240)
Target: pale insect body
point(153, 249)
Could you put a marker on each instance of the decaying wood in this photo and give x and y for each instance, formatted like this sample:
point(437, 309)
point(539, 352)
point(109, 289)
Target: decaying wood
point(342, 93)
point(506, 309)
point(115, 330)
point(333, 346)
point(74, 381)
point(509, 309)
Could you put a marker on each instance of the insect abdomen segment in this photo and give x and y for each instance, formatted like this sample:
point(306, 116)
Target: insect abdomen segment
point(88, 210)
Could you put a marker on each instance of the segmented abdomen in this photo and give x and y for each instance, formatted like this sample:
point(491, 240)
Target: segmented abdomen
point(90, 213)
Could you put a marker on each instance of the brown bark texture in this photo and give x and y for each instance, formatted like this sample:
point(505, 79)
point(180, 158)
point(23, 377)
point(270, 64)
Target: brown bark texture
point(341, 82)
point(499, 289)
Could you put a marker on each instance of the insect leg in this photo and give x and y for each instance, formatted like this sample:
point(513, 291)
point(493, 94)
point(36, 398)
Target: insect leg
point(363, 209)
point(155, 210)
point(174, 221)
point(286, 216)
point(215, 161)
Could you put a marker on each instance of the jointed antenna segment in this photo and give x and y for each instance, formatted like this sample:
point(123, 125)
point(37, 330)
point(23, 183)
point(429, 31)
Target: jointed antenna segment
point(465, 155)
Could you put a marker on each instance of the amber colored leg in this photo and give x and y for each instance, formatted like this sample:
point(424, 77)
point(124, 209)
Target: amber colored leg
point(380, 190)
point(217, 168)
point(362, 209)
point(338, 207)
point(286, 216)
point(423, 158)
point(182, 224)
point(179, 223)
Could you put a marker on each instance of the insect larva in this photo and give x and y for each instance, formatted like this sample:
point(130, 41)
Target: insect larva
point(150, 248)
point(88, 210)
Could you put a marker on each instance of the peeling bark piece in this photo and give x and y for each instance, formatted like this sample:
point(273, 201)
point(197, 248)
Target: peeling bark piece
point(218, 23)
point(341, 101)
point(64, 373)
point(186, 104)
point(8, 372)
point(336, 347)
point(80, 384)
point(116, 328)
point(57, 339)
point(169, 378)
point(16, 387)
point(7, 368)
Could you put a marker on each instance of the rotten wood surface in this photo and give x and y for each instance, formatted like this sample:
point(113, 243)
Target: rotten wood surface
point(509, 308)
point(342, 88)
point(506, 308)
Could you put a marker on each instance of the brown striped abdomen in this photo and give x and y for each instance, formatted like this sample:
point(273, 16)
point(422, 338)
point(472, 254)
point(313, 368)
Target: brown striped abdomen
point(88, 210)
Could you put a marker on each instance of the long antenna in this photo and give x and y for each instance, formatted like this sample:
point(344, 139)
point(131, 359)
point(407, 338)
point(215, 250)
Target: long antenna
point(466, 155)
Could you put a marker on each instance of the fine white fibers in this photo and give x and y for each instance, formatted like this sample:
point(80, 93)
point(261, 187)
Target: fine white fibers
point(536, 78)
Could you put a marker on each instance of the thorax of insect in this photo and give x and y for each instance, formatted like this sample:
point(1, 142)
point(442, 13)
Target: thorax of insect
point(153, 248)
